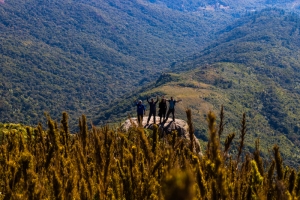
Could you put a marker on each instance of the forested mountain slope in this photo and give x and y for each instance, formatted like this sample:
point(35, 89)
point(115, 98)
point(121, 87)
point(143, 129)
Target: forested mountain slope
point(76, 55)
point(267, 41)
point(229, 6)
point(253, 68)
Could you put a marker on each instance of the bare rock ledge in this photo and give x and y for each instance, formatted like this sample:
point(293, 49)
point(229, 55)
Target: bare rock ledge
point(179, 125)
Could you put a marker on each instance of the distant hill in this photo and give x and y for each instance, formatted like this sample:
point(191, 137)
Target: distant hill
point(253, 68)
point(78, 55)
point(264, 46)
point(229, 6)
point(267, 41)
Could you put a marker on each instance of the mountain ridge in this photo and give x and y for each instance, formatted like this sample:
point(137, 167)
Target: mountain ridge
point(227, 5)
point(245, 75)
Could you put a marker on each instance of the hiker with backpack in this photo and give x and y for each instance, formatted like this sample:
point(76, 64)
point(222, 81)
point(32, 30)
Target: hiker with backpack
point(152, 105)
point(172, 103)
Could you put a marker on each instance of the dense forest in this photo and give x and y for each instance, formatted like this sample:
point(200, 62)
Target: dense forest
point(86, 52)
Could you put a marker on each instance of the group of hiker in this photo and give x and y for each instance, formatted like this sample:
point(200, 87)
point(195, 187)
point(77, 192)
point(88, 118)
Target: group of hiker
point(162, 113)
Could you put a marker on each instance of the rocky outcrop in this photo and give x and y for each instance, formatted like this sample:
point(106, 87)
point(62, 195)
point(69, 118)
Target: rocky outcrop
point(165, 128)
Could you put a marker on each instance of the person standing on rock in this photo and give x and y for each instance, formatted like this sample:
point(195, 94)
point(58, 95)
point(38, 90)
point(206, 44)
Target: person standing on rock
point(140, 111)
point(172, 103)
point(162, 109)
point(152, 105)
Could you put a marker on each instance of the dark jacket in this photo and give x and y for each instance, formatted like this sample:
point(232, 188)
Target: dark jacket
point(162, 106)
point(140, 109)
point(152, 106)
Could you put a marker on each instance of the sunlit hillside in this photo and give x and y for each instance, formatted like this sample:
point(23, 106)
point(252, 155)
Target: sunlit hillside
point(250, 70)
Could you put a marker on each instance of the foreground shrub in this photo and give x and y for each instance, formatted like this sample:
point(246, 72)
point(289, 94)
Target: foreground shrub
point(105, 163)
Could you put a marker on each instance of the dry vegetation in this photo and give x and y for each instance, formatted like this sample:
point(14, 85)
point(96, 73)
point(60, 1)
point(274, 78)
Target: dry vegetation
point(107, 163)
